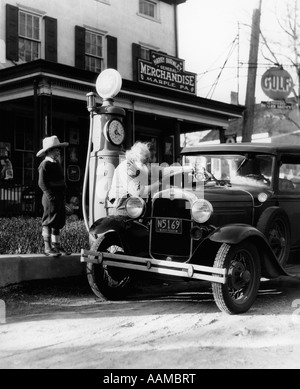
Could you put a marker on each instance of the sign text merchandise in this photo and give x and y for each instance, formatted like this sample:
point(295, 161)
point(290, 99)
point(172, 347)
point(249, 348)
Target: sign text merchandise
point(167, 72)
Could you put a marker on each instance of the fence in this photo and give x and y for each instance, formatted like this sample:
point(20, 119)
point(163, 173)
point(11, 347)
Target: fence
point(17, 200)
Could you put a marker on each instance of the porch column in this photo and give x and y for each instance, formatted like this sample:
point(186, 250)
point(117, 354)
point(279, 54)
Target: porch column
point(129, 129)
point(177, 134)
point(37, 146)
point(45, 96)
point(222, 135)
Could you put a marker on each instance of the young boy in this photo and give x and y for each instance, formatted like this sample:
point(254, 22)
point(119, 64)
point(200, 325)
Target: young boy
point(52, 183)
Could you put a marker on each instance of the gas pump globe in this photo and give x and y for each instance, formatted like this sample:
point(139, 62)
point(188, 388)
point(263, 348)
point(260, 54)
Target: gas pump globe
point(107, 135)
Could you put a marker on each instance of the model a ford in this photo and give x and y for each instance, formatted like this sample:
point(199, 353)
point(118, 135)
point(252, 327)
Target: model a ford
point(234, 220)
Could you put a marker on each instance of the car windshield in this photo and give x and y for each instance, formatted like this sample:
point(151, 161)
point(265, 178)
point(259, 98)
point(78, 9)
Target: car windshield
point(242, 170)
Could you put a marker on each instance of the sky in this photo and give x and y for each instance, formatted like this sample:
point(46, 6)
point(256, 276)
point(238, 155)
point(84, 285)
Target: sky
point(214, 41)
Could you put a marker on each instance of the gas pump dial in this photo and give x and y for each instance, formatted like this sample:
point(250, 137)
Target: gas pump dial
point(115, 132)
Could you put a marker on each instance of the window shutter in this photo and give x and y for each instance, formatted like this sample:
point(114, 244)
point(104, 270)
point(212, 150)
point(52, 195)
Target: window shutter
point(12, 33)
point(79, 47)
point(112, 52)
point(50, 39)
point(136, 54)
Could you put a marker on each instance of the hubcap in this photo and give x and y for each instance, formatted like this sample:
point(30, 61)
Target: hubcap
point(241, 276)
point(277, 240)
point(246, 276)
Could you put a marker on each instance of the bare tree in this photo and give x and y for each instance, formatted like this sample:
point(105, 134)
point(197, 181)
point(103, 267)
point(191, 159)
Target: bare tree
point(285, 52)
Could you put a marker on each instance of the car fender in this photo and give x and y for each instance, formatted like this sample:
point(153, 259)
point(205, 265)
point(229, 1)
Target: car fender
point(109, 223)
point(236, 233)
point(133, 235)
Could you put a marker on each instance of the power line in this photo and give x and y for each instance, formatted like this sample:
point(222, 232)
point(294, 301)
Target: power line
point(225, 51)
point(212, 90)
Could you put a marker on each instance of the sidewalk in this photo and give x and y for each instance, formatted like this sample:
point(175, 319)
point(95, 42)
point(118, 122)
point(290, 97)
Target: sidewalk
point(15, 269)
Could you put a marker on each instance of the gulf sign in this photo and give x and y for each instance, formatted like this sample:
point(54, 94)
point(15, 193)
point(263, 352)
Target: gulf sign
point(277, 83)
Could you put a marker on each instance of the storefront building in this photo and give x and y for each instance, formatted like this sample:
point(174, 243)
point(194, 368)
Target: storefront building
point(50, 57)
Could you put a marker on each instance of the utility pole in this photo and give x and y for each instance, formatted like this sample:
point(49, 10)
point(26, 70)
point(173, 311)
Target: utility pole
point(252, 73)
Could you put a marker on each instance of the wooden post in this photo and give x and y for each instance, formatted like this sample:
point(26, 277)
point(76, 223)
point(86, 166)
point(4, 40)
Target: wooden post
point(252, 73)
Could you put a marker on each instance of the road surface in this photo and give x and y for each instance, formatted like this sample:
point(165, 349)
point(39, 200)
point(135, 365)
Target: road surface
point(61, 325)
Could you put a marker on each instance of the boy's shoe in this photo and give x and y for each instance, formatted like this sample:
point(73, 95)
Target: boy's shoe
point(52, 252)
point(60, 249)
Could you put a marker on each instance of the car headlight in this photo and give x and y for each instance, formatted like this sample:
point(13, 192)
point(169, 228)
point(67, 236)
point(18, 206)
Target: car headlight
point(202, 211)
point(262, 197)
point(135, 207)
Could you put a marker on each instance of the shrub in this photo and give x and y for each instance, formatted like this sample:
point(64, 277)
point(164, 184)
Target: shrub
point(24, 236)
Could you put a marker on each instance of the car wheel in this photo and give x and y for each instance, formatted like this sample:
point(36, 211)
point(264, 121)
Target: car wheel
point(239, 292)
point(274, 224)
point(108, 282)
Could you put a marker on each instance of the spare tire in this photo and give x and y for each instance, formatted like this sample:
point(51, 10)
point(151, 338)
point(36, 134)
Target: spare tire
point(275, 225)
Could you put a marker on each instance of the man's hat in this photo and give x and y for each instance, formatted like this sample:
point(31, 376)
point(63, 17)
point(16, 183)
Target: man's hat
point(51, 143)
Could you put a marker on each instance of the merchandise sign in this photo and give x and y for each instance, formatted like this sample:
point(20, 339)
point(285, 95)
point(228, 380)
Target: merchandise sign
point(277, 83)
point(167, 72)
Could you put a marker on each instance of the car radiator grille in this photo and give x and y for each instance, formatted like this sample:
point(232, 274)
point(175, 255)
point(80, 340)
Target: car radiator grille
point(176, 245)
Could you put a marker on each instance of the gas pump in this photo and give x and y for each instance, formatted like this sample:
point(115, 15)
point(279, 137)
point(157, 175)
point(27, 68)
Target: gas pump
point(107, 135)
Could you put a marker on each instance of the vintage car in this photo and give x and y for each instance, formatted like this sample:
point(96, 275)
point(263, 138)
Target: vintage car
point(232, 222)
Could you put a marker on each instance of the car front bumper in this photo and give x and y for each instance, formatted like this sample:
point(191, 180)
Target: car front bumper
point(150, 265)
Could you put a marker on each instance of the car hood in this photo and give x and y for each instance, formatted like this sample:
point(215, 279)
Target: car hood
point(214, 195)
point(230, 205)
point(222, 194)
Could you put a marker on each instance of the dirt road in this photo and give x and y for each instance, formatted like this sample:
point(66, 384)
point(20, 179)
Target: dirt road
point(61, 325)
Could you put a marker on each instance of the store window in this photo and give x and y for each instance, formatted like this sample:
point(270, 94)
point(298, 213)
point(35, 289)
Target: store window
point(6, 167)
point(29, 36)
point(93, 51)
point(24, 151)
point(153, 145)
point(148, 8)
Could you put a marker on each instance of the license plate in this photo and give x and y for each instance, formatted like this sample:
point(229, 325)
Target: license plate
point(169, 226)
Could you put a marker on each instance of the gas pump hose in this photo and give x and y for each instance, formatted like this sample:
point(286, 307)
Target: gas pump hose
point(86, 175)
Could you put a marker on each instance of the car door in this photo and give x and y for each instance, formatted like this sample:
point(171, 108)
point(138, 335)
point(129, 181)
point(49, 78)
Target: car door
point(289, 193)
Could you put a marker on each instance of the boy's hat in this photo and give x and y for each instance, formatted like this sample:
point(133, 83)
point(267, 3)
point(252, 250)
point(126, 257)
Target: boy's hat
point(51, 143)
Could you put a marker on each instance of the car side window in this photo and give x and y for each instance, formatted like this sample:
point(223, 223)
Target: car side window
point(289, 175)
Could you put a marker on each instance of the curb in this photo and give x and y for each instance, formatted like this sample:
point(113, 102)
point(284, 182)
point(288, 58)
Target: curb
point(15, 269)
